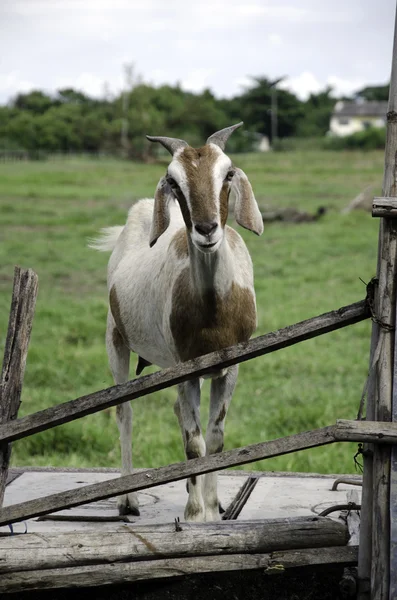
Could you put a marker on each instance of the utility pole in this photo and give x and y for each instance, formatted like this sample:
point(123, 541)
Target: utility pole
point(273, 113)
point(128, 82)
point(274, 110)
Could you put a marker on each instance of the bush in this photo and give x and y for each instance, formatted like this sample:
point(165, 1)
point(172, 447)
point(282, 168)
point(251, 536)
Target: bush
point(293, 144)
point(370, 139)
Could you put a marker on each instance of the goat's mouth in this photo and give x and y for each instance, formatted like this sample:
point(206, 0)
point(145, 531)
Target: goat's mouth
point(208, 245)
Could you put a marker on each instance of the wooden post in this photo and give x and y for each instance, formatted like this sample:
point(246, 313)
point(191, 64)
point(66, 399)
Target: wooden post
point(23, 303)
point(380, 389)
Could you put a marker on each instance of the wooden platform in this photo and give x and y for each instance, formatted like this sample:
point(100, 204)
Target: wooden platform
point(276, 495)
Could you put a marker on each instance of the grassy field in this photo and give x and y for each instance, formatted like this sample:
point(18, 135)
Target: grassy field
point(49, 209)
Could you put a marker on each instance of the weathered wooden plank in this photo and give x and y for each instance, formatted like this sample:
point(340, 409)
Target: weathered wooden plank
point(23, 304)
point(380, 432)
point(384, 207)
point(153, 477)
point(385, 307)
point(366, 514)
point(31, 552)
point(90, 576)
point(69, 411)
point(393, 484)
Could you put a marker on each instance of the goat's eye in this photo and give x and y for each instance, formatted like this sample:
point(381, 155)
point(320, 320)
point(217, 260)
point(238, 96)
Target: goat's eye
point(172, 182)
point(230, 175)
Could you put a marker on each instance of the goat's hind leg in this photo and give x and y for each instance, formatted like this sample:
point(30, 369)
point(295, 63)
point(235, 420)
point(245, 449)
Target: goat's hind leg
point(119, 361)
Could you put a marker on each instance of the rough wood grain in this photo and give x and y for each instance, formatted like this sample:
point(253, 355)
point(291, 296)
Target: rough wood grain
point(90, 576)
point(153, 477)
point(363, 431)
point(353, 518)
point(69, 411)
point(385, 307)
point(23, 304)
point(31, 552)
point(393, 486)
point(384, 207)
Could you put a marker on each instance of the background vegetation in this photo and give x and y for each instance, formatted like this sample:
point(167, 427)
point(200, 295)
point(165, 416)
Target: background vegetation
point(70, 122)
point(49, 209)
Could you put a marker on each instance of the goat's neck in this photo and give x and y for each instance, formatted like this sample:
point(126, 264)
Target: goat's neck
point(211, 272)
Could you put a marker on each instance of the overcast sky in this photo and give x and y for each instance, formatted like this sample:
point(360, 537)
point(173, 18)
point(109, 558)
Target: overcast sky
point(49, 44)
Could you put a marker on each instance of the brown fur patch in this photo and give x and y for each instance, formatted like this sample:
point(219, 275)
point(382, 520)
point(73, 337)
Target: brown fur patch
point(161, 217)
point(179, 244)
point(115, 310)
point(224, 202)
point(202, 325)
point(189, 455)
point(117, 340)
point(221, 416)
point(190, 435)
point(184, 209)
point(203, 201)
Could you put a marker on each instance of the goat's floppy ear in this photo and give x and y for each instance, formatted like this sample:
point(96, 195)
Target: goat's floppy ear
point(161, 211)
point(246, 211)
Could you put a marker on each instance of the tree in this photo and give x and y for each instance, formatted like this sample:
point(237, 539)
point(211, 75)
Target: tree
point(317, 112)
point(36, 102)
point(255, 104)
point(374, 93)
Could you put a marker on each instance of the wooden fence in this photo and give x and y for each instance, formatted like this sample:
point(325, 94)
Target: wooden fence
point(21, 316)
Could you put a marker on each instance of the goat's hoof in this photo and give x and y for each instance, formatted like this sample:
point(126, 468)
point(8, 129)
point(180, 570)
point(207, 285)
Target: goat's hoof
point(194, 512)
point(128, 505)
point(221, 509)
point(212, 514)
point(128, 510)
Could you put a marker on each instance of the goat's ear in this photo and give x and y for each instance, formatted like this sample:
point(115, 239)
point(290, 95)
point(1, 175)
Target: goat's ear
point(246, 211)
point(161, 211)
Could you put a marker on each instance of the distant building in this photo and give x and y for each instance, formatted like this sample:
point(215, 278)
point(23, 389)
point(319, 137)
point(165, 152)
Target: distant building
point(351, 117)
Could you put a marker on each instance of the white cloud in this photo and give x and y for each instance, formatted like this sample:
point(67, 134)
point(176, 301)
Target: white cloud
point(91, 84)
point(275, 39)
point(302, 85)
point(197, 80)
point(12, 83)
point(307, 83)
point(345, 87)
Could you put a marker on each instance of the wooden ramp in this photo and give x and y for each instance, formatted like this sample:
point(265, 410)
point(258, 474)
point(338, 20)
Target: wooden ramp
point(275, 527)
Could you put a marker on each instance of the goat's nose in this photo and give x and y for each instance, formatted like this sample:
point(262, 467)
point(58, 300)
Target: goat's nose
point(206, 228)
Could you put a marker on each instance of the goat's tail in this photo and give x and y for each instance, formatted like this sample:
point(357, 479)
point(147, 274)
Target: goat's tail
point(107, 240)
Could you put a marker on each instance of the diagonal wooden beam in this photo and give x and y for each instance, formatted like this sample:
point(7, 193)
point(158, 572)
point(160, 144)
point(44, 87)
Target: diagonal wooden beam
point(153, 477)
point(271, 342)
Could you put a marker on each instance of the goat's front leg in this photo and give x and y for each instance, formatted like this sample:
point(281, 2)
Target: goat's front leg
point(187, 409)
point(222, 390)
point(119, 361)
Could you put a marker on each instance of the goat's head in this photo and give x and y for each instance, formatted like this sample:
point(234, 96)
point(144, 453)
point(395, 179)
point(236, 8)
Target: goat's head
point(201, 179)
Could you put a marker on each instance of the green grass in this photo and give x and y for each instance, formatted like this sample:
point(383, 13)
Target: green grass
point(49, 209)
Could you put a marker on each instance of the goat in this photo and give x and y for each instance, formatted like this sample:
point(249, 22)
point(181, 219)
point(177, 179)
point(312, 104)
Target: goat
point(181, 285)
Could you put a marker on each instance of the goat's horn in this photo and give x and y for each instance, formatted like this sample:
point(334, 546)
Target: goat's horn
point(220, 137)
point(170, 144)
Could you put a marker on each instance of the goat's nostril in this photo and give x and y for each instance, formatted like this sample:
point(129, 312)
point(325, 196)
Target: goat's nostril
point(206, 228)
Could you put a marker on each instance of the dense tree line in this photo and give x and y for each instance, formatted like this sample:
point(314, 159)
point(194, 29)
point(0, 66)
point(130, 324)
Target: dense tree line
point(71, 121)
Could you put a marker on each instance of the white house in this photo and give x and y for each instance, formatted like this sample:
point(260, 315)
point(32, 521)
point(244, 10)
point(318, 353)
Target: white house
point(351, 117)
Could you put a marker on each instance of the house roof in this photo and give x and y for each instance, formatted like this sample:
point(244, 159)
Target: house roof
point(360, 109)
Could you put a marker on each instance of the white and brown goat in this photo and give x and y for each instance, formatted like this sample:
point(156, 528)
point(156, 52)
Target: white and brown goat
point(181, 285)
